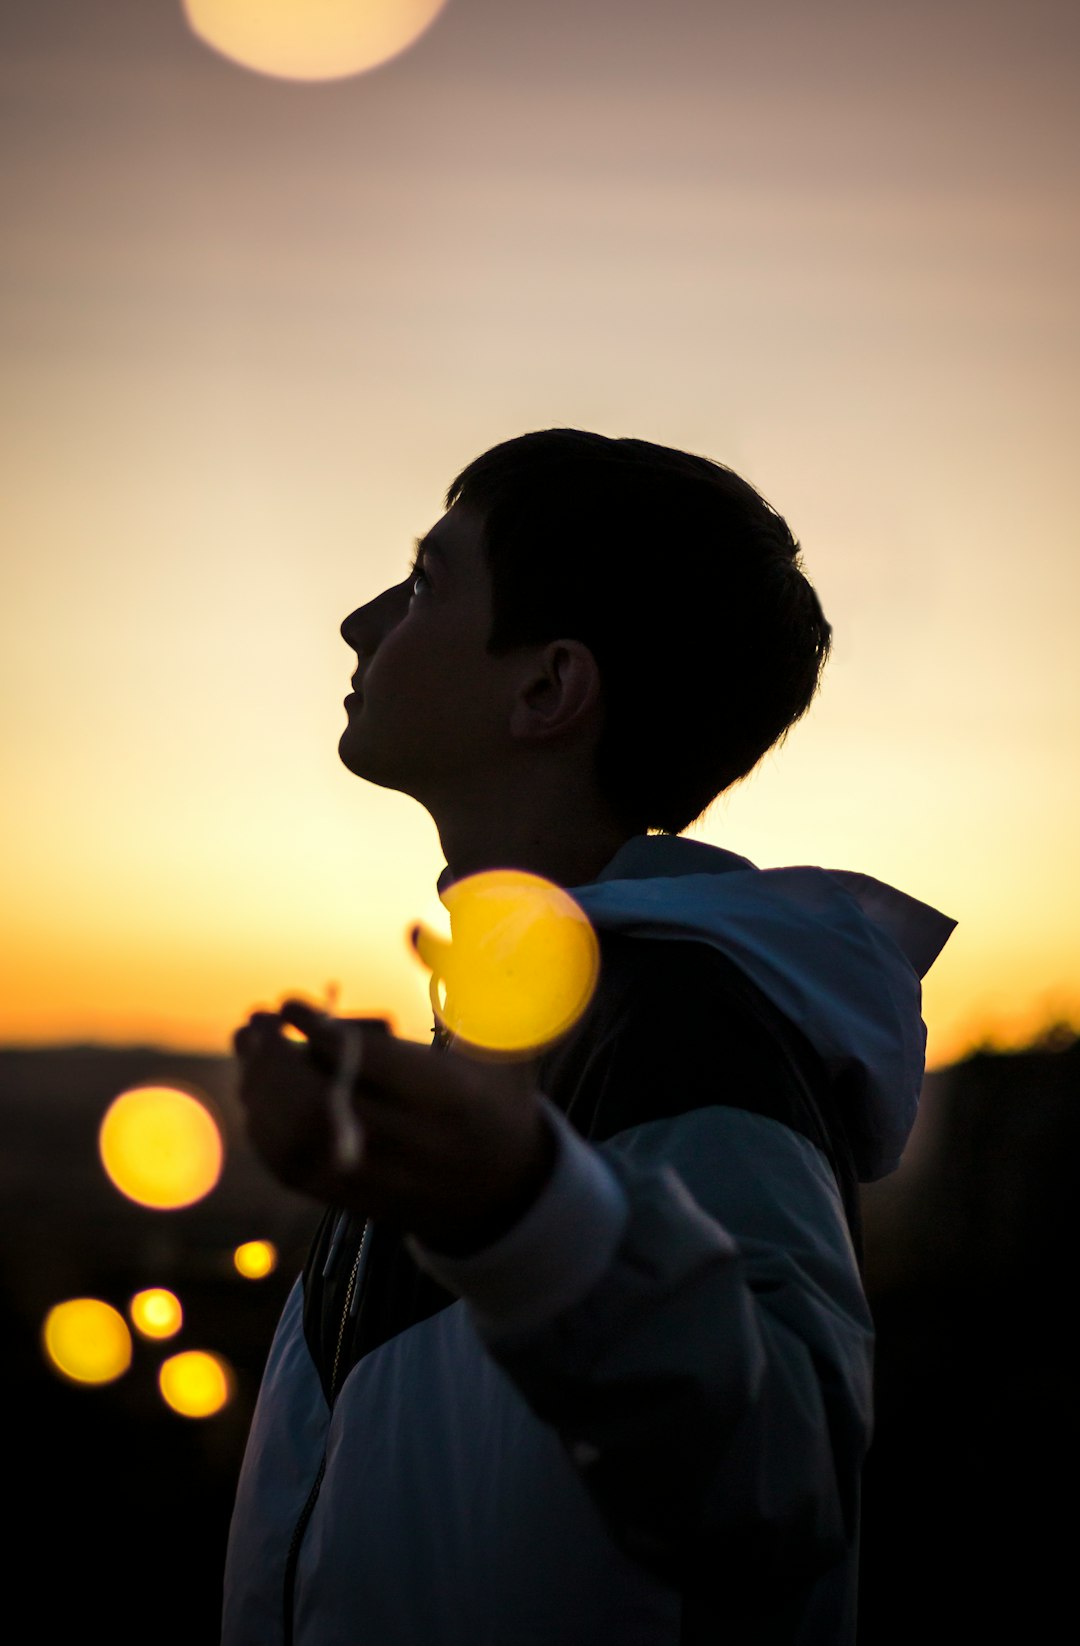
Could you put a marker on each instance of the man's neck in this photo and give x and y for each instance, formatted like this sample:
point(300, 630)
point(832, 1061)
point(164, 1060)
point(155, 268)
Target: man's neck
point(567, 860)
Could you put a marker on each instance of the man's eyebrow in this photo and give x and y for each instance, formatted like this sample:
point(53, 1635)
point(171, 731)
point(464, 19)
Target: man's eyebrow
point(428, 551)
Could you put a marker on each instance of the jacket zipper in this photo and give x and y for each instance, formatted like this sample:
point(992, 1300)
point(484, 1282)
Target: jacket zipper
point(293, 1556)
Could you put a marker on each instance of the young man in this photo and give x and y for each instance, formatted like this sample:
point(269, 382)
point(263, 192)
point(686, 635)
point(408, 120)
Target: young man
point(580, 1355)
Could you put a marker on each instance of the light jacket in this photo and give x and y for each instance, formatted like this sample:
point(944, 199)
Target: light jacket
point(640, 1417)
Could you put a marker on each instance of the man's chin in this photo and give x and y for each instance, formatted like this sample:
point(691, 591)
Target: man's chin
point(351, 753)
point(351, 747)
point(362, 763)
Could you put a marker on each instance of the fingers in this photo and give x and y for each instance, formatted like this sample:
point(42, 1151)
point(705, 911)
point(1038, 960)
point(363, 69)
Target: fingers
point(263, 1031)
point(258, 1034)
point(289, 1119)
point(308, 1019)
point(320, 1031)
point(380, 1065)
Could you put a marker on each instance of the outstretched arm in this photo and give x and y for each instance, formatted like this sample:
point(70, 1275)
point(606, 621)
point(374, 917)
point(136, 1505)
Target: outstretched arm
point(680, 1303)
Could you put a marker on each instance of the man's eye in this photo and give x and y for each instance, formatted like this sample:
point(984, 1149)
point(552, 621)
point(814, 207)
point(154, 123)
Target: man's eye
point(419, 577)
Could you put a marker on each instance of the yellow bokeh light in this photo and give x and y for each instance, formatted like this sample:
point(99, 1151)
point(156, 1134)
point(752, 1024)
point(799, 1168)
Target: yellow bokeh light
point(310, 39)
point(156, 1312)
point(87, 1340)
point(160, 1146)
point(196, 1383)
point(522, 964)
point(256, 1259)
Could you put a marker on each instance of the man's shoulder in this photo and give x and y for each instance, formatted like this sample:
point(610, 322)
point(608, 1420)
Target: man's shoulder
point(676, 1026)
point(673, 1024)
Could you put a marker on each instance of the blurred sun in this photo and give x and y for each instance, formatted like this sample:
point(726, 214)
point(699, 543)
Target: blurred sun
point(310, 39)
point(521, 966)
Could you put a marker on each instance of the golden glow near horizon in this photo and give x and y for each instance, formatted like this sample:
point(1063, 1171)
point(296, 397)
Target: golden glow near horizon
point(255, 1259)
point(521, 966)
point(310, 39)
point(196, 1383)
point(87, 1340)
point(161, 1147)
point(156, 1312)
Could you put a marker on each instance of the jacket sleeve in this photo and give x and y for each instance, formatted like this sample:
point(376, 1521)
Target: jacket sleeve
point(683, 1306)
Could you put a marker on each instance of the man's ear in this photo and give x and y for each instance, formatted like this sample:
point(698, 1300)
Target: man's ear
point(559, 694)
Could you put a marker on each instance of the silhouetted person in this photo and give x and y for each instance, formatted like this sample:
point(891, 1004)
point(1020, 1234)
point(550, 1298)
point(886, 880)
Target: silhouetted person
point(581, 1354)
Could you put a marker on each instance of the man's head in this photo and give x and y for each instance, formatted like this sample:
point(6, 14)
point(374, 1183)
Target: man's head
point(683, 583)
point(689, 640)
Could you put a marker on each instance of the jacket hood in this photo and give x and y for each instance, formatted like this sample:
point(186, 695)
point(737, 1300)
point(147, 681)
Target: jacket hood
point(840, 954)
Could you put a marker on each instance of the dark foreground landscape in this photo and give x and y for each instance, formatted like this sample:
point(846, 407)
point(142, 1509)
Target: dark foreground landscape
point(121, 1507)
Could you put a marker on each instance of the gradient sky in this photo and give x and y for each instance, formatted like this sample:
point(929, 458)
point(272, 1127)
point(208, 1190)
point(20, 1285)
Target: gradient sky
point(251, 329)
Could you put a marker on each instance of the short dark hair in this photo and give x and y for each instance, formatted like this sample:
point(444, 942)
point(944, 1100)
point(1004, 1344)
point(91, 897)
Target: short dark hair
point(685, 585)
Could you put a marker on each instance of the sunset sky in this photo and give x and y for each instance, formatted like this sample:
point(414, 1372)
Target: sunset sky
point(251, 329)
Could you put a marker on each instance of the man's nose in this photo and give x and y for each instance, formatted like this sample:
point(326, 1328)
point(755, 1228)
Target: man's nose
point(349, 630)
point(366, 626)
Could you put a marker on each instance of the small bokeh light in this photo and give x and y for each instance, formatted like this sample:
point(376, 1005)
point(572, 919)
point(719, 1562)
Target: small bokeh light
point(87, 1340)
point(161, 1147)
point(256, 1259)
point(522, 964)
point(196, 1383)
point(156, 1312)
point(310, 39)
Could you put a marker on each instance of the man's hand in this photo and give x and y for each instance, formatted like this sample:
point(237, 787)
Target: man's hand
point(453, 1151)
